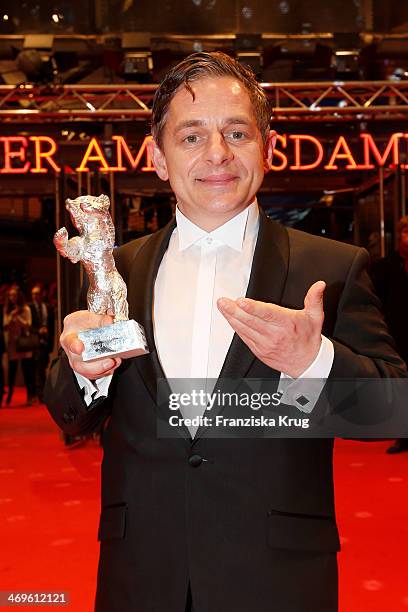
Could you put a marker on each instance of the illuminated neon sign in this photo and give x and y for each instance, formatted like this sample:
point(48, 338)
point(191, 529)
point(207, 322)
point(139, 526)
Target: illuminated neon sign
point(297, 152)
point(340, 158)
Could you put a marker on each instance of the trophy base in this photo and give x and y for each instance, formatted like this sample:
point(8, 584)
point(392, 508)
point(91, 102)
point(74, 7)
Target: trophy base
point(121, 339)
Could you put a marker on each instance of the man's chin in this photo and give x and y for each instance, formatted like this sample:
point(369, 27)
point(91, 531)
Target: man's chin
point(224, 207)
point(226, 195)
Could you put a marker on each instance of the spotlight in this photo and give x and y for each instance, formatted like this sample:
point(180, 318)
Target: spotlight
point(36, 67)
point(399, 74)
point(137, 64)
point(36, 60)
point(5, 17)
point(57, 17)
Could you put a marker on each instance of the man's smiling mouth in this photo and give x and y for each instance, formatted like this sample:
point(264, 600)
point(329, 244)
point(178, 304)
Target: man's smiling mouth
point(218, 179)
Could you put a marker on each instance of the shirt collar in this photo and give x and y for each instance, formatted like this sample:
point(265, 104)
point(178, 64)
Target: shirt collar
point(231, 234)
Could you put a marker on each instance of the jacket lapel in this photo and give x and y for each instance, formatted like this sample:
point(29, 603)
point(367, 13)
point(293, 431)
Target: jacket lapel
point(266, 284)
point(142, 277)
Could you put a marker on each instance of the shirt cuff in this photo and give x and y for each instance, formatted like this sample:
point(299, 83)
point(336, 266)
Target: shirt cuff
point(304, 391)
point(95, 389)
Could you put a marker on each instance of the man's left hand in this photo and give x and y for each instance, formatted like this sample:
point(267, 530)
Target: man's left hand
point(284, 339)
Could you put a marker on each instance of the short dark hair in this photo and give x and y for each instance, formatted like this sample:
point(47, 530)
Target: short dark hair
point(203, 65)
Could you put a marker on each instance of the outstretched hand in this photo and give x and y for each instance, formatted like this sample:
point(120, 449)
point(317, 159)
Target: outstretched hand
point(284, 339)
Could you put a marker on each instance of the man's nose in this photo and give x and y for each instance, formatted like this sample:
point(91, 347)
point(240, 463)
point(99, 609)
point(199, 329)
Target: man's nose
point(218, 150)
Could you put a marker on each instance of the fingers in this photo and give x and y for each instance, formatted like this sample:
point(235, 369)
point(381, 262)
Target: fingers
point(285, 339)
point(73, 346)
point(117, 361)
point(106, 319)
point(250, 311)
point(253, 312)
point(314, 300)
point(96, 369)
point(83, 319)
point(245, 329)
point(244, 324)
point(265, 311)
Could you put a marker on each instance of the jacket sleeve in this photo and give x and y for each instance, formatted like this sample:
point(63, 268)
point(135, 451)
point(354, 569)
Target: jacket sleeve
point(65, 403)
point(363, 346)
point(62, 394)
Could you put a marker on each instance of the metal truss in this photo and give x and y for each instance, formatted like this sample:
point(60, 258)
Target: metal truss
point(325, 101)
point(334, 101)
point(31, 103)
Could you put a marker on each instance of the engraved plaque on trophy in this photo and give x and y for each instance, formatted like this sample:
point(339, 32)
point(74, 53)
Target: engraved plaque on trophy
point(107, 290)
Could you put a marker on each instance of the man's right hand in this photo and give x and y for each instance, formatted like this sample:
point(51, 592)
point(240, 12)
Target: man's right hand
point(73, 346)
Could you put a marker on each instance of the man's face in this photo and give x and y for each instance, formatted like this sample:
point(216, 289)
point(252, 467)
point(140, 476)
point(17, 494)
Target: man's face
point(212, 151)
point(36, 295)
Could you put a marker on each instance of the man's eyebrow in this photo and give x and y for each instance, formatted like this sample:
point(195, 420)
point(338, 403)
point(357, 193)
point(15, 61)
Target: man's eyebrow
point(189, 123)
point(199, 123)
point(237, 120)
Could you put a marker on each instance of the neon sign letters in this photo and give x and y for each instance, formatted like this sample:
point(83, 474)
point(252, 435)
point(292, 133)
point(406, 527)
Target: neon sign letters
point(295, 152)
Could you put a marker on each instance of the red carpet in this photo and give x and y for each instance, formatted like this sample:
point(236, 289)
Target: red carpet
point(49, 508)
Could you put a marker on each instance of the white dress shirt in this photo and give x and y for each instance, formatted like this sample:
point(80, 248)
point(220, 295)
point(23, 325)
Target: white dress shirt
point(191, 335)
point(197, 269)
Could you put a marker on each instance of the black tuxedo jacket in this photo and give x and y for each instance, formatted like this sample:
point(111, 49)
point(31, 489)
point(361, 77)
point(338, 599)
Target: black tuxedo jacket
point(252, 528)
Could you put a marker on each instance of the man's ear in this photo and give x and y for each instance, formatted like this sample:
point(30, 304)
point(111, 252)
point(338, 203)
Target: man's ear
point(158, 158)
point(269, 149)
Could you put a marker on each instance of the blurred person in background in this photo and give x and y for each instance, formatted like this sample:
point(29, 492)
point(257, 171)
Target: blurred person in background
point(17, 324)
point(42, 323)
point(390, 278)
point(2, 349)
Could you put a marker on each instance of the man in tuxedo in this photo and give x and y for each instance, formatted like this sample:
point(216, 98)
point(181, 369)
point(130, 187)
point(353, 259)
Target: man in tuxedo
point(221, 525)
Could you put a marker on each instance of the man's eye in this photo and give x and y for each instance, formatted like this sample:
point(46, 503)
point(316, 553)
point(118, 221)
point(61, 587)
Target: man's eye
point(191, 139)
point(236, 135)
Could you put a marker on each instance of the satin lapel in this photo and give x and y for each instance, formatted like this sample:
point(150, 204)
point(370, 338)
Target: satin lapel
point(142, 277)
point(266, 284)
